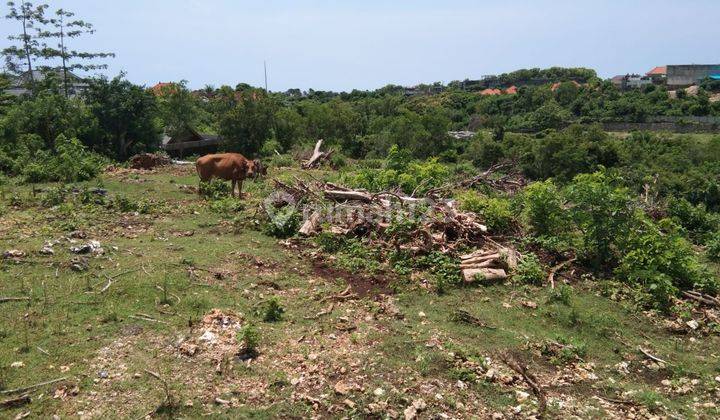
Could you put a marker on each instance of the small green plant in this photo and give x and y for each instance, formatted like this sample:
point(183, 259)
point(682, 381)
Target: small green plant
point(273, 310)
point(561, 294)
point(444, 269)
point(227, 205)
point(54, 196)
point(529, 270)
point(215, 189)
point(248, 339)
point(123, 204)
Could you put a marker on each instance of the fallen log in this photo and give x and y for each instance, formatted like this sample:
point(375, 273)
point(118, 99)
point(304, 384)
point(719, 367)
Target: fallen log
point(702, 298)
point(484, 274)
point(348, 195)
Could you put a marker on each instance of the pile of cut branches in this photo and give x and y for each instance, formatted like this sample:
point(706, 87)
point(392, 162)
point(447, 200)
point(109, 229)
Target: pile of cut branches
point(394, 221)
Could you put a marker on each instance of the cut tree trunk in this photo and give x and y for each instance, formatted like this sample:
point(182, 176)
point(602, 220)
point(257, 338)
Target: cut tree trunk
point(311, 224)
point(317, 156)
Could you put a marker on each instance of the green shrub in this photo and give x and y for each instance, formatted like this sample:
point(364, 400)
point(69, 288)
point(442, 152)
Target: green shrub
point(529, 270)
point(227, 205)
point(401, 172)
point(542, 209)
point(123, 204)
point(54, 196)
point(71, 162)
point(281, 161)
point(603, 211)
point(215, 189)
point(270, 147)
point(338, 160)
point(445, 270)
point(273, 310)
point(662, 263)
point(283, 222)
point(495, 212)
point(695, 219)
point(713, 247)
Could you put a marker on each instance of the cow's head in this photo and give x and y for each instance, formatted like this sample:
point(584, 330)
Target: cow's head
point(260, 169)
point(250, 170)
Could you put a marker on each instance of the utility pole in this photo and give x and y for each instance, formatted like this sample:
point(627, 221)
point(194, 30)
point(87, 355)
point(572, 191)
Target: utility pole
point(265, 68)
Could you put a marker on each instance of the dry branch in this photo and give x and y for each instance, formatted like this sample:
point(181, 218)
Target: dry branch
point(13, 299)
point(554, 270)
point(530, 380)
point(15, 402)
point(651, 357)
point(31, 387)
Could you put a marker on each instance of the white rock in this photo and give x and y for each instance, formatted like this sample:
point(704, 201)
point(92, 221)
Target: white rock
point(379, 392)
point(692, 324)
point(17, 364)
point(521, 396)
point(208, 336)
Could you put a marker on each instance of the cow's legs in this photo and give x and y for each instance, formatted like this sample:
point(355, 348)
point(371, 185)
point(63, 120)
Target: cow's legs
point(232, 192)
point(240, 181)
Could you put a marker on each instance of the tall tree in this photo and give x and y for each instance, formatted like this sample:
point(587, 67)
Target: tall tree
point(126, 116)
point(65, 27)
point(28, 49)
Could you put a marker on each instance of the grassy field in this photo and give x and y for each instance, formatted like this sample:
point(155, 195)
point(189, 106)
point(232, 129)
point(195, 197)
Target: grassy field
point(154, 324)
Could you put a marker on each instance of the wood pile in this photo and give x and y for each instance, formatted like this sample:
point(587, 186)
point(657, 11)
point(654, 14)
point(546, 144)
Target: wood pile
point(489, 264)
point(440, 226)
point(149, 161)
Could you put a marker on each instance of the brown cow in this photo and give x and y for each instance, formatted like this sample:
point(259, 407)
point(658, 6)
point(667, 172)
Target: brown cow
point(228, 166)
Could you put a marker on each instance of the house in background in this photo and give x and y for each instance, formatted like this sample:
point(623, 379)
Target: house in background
point(684, 75)
point(19, 85)
point(631, 81)
point(658, 75)
point(189, 142)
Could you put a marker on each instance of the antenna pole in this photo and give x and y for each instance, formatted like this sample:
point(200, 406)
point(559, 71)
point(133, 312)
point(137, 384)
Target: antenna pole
point(265, 68)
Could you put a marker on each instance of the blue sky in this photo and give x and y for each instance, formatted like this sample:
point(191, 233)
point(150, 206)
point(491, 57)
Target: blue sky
point(341, 45)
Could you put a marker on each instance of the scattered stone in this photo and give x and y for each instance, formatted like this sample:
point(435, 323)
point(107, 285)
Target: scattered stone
point(343, 388)
point(529, 304)
point(692, 324)
point(13, 253)
point(379, 392)
point(349, 403)
point(47, 250)
point(17, 364)
point(78, 234)
point(92, 246)
point(79, 264)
